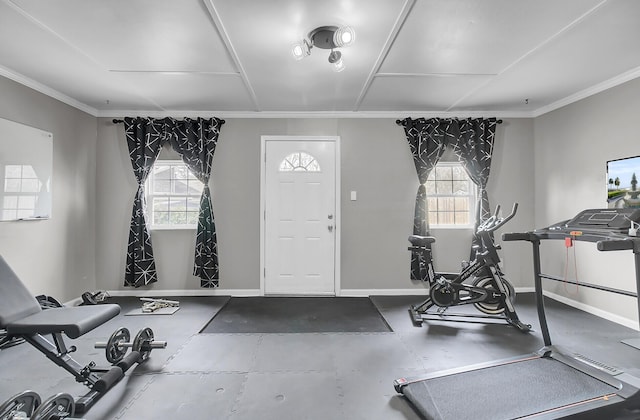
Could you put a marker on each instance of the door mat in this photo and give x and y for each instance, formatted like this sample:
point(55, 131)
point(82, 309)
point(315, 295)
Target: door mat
point(162, 311)
point(297, 315)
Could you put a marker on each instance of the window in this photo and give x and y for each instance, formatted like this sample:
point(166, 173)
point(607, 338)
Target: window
point(299, 161)
point(173, 195)
point(21, 189)
point(451, 196)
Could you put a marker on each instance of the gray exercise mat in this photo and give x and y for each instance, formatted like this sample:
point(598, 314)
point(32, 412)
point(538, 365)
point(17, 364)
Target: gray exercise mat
point(297, 315)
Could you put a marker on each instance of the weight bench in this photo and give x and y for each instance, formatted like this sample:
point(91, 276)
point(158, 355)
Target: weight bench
point(22, 316)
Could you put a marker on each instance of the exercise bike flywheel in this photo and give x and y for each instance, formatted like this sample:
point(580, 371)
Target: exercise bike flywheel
point(493, 307)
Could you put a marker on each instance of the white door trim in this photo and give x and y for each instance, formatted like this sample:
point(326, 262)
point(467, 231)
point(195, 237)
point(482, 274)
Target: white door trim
point(338, 219)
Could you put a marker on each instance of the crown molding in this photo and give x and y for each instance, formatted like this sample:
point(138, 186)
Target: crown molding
point(46, 90)
point(585, 93)
point(315, 114)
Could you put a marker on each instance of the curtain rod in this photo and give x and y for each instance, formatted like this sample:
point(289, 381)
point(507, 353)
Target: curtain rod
point(404, 123)
point(115, 121)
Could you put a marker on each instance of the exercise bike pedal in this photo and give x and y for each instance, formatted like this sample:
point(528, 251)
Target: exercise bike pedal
point(520, 325)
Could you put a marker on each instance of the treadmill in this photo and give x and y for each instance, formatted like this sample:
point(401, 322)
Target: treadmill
point(551, 383)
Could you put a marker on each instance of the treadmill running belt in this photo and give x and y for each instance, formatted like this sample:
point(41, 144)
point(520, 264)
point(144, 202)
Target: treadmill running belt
point(503, 392)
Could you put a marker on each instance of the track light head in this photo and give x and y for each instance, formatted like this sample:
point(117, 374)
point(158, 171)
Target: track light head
point(335, 58)
point(344, 36)
point(301, 49)
point(328, 38)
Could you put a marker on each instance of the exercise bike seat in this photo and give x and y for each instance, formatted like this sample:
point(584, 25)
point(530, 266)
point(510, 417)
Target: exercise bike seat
point(417, 240)
point(21, 314)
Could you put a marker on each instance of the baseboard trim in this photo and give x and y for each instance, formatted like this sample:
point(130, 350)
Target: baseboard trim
point(382, 292)
point(185, 292)
point(629, 323)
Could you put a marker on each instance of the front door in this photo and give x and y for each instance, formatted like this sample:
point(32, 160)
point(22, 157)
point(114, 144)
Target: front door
point(300, 215)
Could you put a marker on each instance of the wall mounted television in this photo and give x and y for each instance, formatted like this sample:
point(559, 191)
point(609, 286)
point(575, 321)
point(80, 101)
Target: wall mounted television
point(623, 182)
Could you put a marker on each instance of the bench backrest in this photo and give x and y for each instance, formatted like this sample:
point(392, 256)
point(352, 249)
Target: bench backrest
point(16, 302)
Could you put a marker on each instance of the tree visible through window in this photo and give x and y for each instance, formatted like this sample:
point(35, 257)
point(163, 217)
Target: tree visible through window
point(451, 196)
point(173, 195)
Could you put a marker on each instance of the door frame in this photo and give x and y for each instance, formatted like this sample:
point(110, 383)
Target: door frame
point(263, 198)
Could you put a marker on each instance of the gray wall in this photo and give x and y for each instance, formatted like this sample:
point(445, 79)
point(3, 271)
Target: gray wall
point(553, 165)
point(572, 146)
point(376, 163)
point(57, 256)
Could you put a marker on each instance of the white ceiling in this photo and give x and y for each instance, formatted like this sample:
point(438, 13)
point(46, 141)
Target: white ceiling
point(233, 57)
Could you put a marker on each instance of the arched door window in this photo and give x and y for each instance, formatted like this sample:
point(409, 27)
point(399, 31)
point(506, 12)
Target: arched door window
point(299, 162)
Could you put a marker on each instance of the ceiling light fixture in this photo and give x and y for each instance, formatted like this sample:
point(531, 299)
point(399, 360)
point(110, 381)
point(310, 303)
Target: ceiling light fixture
point(328, 38)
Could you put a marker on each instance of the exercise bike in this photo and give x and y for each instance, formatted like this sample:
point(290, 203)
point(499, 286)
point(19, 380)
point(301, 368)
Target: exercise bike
point(480, 282)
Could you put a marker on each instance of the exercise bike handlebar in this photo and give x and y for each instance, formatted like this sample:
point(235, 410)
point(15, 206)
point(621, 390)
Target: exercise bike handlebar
point(494, 222)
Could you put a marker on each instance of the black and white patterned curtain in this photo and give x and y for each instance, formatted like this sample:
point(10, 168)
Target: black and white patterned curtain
point(196, 141)
point(427, 141)
point(474, 148)
point(472, 141)
point(145, 138)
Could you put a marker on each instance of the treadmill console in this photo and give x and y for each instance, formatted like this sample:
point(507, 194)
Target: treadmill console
point(613, 220)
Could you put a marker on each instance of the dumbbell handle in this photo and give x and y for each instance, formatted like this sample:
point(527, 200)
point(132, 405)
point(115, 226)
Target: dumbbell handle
point(153, 345)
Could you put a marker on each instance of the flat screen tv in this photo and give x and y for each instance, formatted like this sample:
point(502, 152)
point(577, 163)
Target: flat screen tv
point(623, 176)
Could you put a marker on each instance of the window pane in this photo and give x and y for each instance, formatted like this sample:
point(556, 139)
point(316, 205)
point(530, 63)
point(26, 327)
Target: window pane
point(180, 186)
point(462, 217)
point(446, 204)
point(174, 193)
point(160, 217)
point(178, 218)
point(446, 218)
point(461, 187)
point(444, 187)
point(160, 204)
point(443, 172)
point(162, 186)
point(193, 204)
point(162, 171)
point(299, 161)
point(180, 172)
point(459, 173)
point(462, 204)
point(450, 195)
point(305, 159)
point(192, 217)
point(431, 187)
point(177, 204)
point(195, 187)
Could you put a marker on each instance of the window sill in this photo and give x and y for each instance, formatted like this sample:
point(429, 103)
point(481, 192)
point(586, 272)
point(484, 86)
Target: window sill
point(173, 227)
point(450, 227)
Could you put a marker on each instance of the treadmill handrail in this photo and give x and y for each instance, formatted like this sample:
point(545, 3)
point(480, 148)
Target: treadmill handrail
point(615, 245)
